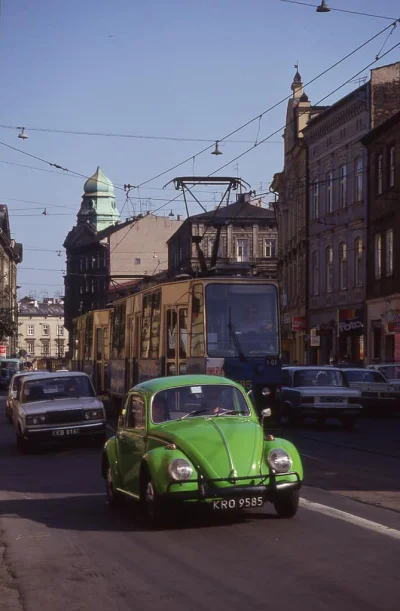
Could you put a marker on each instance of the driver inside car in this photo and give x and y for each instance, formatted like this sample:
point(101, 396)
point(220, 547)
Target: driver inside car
point(159, 411)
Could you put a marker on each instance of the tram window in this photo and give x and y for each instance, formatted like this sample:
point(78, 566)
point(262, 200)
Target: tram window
point(155, 325)
point(118, 331)
point(197, 320)
point(171, 333)
point(183, 331)
point(99, 343)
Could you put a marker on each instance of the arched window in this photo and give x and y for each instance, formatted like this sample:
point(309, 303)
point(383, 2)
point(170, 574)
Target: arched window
point(315, 272)
point(358, 177)
point(358, 261)
point(343, 265)
point(329, 269)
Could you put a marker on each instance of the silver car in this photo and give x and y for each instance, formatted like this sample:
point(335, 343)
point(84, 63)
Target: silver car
point(13, 389)
point(391, 371)
point(318, 392)
point(54, 407)
point(376, 390)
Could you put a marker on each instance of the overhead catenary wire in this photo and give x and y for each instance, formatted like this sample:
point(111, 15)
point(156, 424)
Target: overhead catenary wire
point(341, 10)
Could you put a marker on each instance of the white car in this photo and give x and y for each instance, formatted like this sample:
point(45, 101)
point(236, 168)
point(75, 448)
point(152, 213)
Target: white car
point(53, 407)
point(13, 389)
point(318, 392)
point(376, 390)
point(391, 371)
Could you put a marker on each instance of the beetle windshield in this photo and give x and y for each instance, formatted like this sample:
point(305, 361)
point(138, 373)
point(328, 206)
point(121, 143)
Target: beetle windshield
point(242, 318)
point(360, 375)
point(188, 401)
point(319, 377)
point(50, 388)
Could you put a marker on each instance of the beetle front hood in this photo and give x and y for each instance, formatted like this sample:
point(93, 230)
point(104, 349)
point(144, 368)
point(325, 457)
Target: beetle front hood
point(218, 445)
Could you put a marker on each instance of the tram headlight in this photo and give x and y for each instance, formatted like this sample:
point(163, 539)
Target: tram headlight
point(266, 392)
point(180, 470)
point(279, 460)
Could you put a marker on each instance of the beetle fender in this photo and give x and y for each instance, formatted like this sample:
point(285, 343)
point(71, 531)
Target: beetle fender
point(156, 462)
point(291, 449)
point(110, 457)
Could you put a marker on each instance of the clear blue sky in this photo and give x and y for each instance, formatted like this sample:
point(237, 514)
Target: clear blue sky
point(181, 69)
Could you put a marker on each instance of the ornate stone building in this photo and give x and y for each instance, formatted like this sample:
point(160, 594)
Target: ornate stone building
point(41, 328)
point(291, 209)
point(247, 237)
point(337, 213)
point(10, 256)
point(383, 260)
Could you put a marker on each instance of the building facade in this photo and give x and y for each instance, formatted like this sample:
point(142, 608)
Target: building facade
point(337, 212)
point(10, 256)
point(383, 260)
point(41, 328)
point(291, 211)
point(246, 234)
point(102, 252)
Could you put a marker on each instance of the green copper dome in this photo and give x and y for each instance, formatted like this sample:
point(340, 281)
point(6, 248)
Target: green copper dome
point(98, 183)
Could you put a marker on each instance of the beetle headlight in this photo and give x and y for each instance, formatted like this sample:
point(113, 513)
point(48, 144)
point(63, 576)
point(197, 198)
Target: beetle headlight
point(279, 460)
point(37, 419)
point(180, 470)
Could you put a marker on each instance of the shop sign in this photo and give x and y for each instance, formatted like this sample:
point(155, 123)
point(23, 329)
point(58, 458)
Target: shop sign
point(3, 351)
point(393, 319)
point(286, 319)
point(298, 323)
point(351, 321)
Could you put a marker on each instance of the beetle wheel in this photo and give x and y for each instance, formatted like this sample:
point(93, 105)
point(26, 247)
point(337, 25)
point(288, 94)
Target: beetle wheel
point(152, 504)
point(287, 504)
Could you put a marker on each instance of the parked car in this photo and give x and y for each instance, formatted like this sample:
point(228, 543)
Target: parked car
point(56, 407)
point(7, 369)
point(376, 391)
point(197, 440)
point(13, 389)
point(391, 371)
point(318, 392)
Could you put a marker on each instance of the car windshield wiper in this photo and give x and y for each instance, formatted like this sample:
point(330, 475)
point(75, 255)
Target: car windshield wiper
point(194, 413)
point(231, 411)
point(235, 338)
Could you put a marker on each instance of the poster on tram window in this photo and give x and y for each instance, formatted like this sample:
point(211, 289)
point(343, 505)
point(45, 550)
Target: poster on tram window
point(117, 375)
point(215, 367)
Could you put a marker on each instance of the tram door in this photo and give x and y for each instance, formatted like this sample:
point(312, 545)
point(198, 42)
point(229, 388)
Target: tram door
point(134, 348)
point(176, 341)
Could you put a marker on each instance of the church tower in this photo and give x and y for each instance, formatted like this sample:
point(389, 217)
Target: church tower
point(98, 202)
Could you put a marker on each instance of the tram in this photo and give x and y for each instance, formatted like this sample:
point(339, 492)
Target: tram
point(226, 326)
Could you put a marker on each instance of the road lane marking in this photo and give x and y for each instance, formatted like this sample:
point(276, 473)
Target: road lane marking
point(351, 519)
point(313, 457)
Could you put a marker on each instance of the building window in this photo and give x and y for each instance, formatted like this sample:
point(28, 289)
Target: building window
point(358, 262)
point(137, 261)
point(343, 186)
point(392, 166)
point(389, 252)
point(30, 347)
point(358, 173)
point(315, 273)
point(329, 192)
point(270, 248)
point(30, 330)
point(316, 199)
point(329, 269)
point(378, 256)
point(46, 348)
point(242, 250)
point(211, 242)
point(379, 174)
point(45, 329)
point(60, 330)
point(343, 265)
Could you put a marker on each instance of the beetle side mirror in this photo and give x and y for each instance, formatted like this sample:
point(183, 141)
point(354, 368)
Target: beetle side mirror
point(266, 413)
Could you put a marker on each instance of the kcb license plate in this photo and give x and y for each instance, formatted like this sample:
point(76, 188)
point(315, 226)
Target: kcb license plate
point(246, 502)
point(65, 432)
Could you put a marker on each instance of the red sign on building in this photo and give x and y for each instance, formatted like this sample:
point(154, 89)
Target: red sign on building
point(3, 351)
point(298, 323)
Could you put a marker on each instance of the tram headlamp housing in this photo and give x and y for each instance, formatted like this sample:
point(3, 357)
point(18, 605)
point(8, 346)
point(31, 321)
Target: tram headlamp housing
point(279, 460)
point(180, 470)
point(265, 391)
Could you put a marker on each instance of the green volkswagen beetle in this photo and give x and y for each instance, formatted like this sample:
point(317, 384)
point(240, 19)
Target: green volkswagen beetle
point(196, 439)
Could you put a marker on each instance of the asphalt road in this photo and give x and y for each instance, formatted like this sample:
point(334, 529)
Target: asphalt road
point(64, 548)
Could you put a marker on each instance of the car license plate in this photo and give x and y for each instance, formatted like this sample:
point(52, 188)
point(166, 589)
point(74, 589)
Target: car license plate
point(65, 432)
point(246, 502)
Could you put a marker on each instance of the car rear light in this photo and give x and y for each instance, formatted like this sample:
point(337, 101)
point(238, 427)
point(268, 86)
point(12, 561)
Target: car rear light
point(388, 395)
point(354, 400)
point(307, 399)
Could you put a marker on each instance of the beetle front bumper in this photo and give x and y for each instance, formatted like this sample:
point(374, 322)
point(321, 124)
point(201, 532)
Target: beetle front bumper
point(269, 487)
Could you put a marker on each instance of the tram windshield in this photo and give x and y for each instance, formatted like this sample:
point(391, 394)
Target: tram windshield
point(242, 320)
